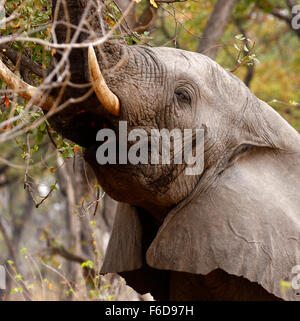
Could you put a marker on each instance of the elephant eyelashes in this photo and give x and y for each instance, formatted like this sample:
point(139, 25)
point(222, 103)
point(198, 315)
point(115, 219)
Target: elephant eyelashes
point(182, 96)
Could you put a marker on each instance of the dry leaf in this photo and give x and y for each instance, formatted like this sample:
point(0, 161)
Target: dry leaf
point(154, 4)
point(6, 101)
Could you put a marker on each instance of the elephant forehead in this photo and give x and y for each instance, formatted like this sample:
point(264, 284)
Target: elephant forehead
point(183, 60)
point(198, 68)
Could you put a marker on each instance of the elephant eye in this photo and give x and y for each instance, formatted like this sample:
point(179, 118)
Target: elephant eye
point(182, 96)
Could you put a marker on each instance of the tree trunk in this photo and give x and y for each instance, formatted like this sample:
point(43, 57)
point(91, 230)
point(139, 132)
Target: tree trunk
point(216, 27)
point(130, 18)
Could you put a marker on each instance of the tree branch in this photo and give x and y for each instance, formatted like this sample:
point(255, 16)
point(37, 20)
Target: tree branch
point(61, 251)
point(288, 19)
point(290, 3)
point(25, 61)
point(276, 13)
point(146, 19)
point(54, 249)
point(250, 68)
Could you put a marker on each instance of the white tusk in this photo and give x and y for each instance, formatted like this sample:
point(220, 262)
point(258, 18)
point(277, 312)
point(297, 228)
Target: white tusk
point(107, 98)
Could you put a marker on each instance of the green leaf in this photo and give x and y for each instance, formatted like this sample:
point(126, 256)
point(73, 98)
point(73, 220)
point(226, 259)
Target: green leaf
point(240, 37)
point(87, 264)
point(18, 277)
point(24, 250)
point(236, 47)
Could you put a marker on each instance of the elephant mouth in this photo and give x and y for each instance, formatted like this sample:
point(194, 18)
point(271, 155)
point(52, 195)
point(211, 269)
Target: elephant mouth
point(86, 126)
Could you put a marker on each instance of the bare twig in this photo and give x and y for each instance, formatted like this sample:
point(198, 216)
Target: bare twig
point(54, 249)
point(250, 67)
point(27, 183)
point(53, 187)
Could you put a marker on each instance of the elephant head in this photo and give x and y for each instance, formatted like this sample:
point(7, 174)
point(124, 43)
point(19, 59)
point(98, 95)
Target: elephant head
point(241, 214)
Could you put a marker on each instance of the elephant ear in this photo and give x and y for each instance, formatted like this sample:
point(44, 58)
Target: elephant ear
point(124, 251)
point(247, 225)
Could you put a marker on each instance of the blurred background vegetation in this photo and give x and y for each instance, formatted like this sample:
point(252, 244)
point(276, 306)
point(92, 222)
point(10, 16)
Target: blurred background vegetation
point(54, 219)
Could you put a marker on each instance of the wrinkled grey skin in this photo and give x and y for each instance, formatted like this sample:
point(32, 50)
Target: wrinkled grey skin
point(232, 117)
point(238, 216)
point(140, 84)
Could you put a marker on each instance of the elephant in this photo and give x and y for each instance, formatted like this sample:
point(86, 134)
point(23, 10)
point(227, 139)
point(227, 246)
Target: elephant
point(231, 232)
